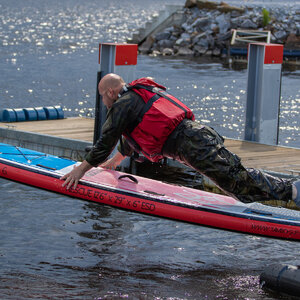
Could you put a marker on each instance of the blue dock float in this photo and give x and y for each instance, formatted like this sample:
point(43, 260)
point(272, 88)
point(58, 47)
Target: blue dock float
point(244, 52)
point(31, 114)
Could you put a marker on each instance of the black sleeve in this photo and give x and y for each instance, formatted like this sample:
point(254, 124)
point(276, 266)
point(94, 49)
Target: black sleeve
point(123, 112)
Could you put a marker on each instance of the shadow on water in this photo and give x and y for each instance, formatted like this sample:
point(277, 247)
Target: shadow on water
point(155, 282)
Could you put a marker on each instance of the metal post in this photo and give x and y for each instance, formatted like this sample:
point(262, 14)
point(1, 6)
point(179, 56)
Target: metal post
point(263, 92)
point(120, 59)
point(98, 112)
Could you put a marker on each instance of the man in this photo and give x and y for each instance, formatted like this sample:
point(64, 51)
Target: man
point(159, 125)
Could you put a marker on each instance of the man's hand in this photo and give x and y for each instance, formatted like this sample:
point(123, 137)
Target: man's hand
point(113, 162)
point(73, 177)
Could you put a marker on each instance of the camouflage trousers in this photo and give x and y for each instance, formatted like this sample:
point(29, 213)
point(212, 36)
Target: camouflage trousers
point(202, 148)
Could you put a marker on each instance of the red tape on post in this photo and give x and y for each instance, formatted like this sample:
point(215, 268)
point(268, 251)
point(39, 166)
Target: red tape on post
point(273, 54)
point(126, 54)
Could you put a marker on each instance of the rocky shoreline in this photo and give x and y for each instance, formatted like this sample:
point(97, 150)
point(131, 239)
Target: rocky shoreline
point(206, 29)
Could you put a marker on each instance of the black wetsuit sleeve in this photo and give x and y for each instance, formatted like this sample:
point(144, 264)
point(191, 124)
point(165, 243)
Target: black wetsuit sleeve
point(123, 113)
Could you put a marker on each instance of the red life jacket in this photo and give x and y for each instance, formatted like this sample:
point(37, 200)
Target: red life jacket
point(161, 115)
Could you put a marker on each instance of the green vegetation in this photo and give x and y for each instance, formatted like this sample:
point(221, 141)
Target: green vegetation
point(266, 17)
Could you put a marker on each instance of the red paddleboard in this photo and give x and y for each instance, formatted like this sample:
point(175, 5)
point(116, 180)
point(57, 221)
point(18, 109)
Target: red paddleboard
point(149, 196)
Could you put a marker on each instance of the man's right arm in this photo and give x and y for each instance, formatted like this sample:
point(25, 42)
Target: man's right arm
point(73, 177)
point(122, 113)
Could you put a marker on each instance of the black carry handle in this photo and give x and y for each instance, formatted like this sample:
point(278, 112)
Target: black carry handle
point(130, 177)
point(46, 167)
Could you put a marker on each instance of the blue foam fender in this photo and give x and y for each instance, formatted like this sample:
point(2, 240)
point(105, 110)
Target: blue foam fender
point(20, 114)
point(9, 115)
point(41, 114)
point(51, 112)
point(60, 112)
point(30, 114)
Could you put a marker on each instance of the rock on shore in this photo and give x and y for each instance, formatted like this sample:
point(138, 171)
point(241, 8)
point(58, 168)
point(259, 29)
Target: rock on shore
point(206, 29)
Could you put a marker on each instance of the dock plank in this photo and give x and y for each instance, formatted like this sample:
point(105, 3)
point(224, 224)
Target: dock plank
point(81, 128)
point(278, 159)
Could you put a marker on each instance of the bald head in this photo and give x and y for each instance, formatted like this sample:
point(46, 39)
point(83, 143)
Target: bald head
point(109, 87)
point(111, 81)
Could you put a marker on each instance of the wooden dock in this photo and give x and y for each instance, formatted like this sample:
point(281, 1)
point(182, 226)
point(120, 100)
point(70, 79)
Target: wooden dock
point(274, 159)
